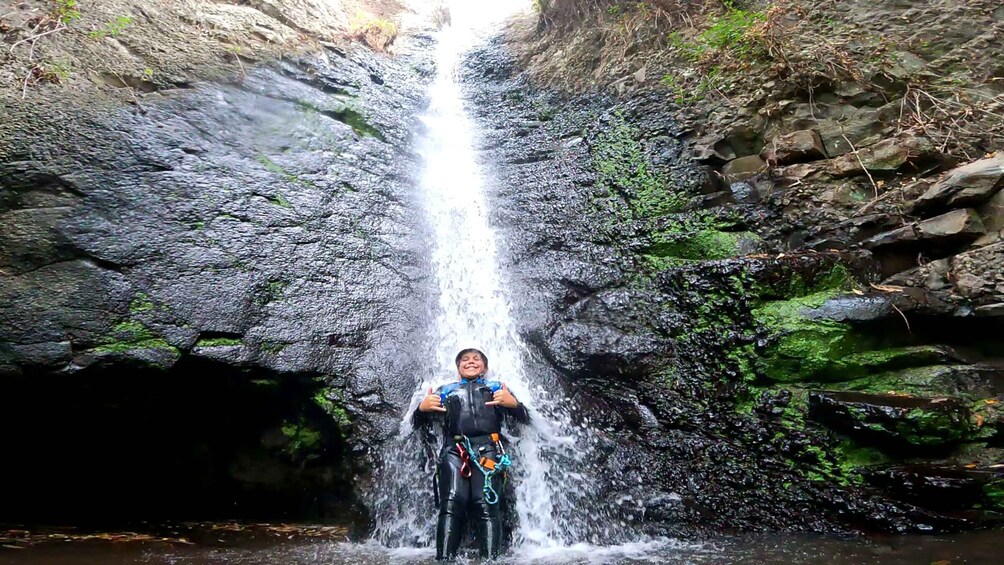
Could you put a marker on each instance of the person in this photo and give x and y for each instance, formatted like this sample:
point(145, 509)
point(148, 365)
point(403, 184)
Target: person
point(472, 411)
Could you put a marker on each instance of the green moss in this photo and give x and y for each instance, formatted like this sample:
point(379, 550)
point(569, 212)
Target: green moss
point(280, 200)
point(272, 347)
point(994, 493)
point(921, 381)
point(619, 158)
point(657, 263)
point(358, 123)
point(218, 342)
point(925, 427)
point(124, 346)
point(667, 377)
point(131, 335)
point(303, 441)
point(852, 457)
point(841, 464)
point(272, 167)
point(266, 383)
point(804, 348)
point(133, 331)
point(275, 289)
point(701, 244)
point(141, 303)
point(335, 410)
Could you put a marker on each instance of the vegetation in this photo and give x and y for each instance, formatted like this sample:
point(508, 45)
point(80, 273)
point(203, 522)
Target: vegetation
point(333, 408)
point(376, 32)
point(112, 28)
point(624, 168)
point(66, 11)
point(219, 342)
point(130, 335)
point(304, 441)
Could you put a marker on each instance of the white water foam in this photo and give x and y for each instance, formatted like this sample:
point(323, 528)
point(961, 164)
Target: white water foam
point(557, 502)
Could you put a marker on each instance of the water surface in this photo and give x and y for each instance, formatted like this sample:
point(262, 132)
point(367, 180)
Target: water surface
point(207, 546)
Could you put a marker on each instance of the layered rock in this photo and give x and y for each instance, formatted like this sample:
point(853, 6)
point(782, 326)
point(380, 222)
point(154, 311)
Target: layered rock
point(258, 230)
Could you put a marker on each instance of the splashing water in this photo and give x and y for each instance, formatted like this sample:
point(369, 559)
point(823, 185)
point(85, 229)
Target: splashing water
point(554, 494)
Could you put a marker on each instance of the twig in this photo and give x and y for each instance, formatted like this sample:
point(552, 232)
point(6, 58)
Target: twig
point(27, 77)
point(35, 38)
point(905, 321)
point(240, 64)
point(862, 163)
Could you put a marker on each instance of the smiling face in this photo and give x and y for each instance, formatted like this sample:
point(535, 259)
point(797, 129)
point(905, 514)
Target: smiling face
point(471, 365)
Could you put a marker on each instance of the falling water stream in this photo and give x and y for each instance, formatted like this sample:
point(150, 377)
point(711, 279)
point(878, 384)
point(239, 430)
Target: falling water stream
point(557, 500)
point(474, 309)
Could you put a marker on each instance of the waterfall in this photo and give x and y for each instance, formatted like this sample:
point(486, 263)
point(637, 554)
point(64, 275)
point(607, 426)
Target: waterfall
point(474, 309)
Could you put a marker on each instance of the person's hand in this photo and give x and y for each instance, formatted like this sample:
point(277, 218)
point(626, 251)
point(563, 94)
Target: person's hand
point(431, 403)
point(503, 398)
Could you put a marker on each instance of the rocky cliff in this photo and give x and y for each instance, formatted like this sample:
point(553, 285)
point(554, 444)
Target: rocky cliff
point(208, 252)
point(783, 299)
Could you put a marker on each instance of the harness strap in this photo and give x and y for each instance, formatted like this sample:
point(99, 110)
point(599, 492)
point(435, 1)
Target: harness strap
point(465, 460)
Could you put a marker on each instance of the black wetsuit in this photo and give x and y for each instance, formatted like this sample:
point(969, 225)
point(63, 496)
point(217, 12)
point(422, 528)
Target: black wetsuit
point(459, 497)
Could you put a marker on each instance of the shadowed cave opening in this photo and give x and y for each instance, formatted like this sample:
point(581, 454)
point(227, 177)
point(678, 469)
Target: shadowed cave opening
point(119, 445)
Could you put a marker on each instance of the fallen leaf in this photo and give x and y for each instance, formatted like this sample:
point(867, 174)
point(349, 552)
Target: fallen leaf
point(858, 292)
point(887, 287)
point(979, 421)
point(937, 400)
point(991, 401)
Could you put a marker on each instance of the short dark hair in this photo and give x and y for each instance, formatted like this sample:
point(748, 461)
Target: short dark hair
point(472, 350)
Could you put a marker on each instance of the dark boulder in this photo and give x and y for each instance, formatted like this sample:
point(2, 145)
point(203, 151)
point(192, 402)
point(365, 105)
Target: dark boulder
point(894, 421)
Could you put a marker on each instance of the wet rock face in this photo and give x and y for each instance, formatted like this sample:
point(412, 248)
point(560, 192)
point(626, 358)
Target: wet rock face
point(732, 342)
point(267, 225)
point(904, 422)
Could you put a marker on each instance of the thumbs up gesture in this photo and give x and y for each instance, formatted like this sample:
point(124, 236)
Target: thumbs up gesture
point(431, 403)
point(503, 398)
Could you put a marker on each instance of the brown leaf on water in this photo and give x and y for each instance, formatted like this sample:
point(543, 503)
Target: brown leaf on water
point(938, 400)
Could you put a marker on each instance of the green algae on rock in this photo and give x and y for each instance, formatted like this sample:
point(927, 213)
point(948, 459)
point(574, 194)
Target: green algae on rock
point(894, 421)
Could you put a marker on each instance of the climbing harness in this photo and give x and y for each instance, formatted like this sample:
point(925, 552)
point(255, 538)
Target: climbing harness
point(488, 467)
